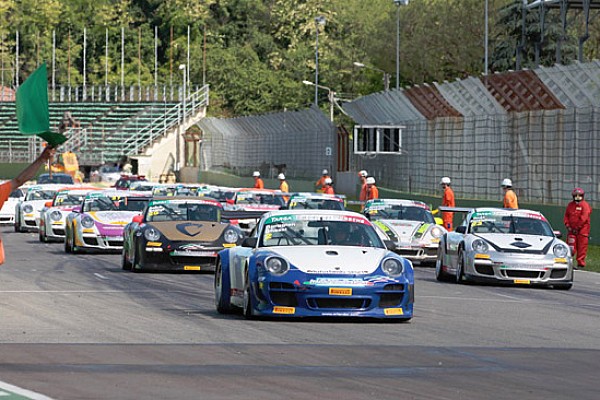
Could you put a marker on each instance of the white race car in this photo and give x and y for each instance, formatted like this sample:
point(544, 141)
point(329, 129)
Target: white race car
point(7, 212)
point(54, 214)
point(504, 246)
point(409, 224)
point(98, 223)
point(27, 212)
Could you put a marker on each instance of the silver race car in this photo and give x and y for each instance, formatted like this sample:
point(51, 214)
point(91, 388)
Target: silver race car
point(504, 246)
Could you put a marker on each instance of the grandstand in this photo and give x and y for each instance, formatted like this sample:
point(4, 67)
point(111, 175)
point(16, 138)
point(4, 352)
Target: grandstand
point(107, 130)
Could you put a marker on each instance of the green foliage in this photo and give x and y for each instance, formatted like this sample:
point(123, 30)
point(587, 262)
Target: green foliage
point(258, 52)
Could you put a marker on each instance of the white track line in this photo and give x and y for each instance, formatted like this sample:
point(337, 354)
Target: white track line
point(6, 389)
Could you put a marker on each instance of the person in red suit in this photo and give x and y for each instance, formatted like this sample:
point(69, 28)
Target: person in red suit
point(577, 221)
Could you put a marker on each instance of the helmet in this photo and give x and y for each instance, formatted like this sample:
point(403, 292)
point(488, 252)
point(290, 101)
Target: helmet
point(577, 192)
point(281, 176)
point(445, 180)
point(325, 172)
point(370, 180)
point(256, 174)
point(328, 181)
point(506, 182)
point(363, 173)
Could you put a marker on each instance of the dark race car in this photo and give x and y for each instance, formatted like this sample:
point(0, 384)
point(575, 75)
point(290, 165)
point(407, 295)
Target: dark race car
point(178, 234)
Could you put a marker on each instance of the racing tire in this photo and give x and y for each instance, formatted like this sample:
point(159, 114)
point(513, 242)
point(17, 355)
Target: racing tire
point(248, 309)
point(125, 264)
point(440, 274)
point(17, 225)
point(68, 247)
point(41, 236)
point(136, 265)
point(562, 286)
point(222, 290)
point(460, 267)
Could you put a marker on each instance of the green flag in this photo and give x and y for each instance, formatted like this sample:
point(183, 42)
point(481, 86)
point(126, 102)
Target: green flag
point(32, 108)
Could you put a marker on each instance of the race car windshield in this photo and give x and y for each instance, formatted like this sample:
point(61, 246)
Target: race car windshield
point(511, 225)
point(255, 198)
point(319, 233)
point(398, 212)
point(316, 204)
point(41, 195)
point(183, 212)
point(68, 199)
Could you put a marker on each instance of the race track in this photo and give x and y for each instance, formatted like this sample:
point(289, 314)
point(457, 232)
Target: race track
point(78, 327)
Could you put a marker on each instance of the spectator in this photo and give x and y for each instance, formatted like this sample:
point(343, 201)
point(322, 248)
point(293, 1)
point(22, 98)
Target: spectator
point(577, 221)
point(510, 197)
point(447, 201)
point(328, 188)
point(7, 187)
point(68, 122)
point(320, 184)
point(363, 185)
point(372, 191)
point(283, 186)
point(258, 182)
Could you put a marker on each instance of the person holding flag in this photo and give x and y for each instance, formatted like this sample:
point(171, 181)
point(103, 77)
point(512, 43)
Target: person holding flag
point(34, 119)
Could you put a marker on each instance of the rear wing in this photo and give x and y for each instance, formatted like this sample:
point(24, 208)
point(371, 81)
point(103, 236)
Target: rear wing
point(456, 209)
point(241, 214)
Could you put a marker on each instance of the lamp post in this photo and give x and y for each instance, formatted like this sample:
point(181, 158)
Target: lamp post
point(398, 4)
point(386, 76)
point(330, 94)
point(183, 68)
point(320, 20)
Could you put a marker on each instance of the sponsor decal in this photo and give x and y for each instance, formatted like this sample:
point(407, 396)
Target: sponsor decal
point(522, 281)
point(354, 282)
point(393, 311)
point(284, 310)
point(189, 228)
point(191, 268)
point(228, 245)
point(156, 244)
point(340, 291)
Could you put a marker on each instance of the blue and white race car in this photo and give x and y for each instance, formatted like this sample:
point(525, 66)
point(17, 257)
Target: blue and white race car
point(504, 246)
point(309, 263)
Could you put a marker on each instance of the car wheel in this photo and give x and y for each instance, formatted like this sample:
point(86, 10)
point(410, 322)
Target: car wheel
point(17, 225)
point(68, 248)
point(136, 264)
point(562, 286)
point(440, 274)
point(222, 291)
point(125, 264)
point(41, 235)
point(248, 309)
point(460, 267)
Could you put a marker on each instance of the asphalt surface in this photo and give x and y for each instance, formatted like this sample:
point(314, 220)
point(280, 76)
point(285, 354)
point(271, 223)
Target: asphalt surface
point(78, 327)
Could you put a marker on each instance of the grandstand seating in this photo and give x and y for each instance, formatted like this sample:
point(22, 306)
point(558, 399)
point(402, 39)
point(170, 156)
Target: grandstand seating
point(104, 126)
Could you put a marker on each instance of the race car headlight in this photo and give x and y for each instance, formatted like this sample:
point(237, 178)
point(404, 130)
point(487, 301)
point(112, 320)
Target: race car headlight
point(392, 267)
point(230, 236)
point(480, 246)
point(151, 234)
point(87, 221)
point(560, 250)
point(436, 232)
point(55, 215)
point(276, 265)
point(27, 208)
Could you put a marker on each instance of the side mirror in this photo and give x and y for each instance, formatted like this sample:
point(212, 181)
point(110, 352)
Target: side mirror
point(461, 229)
point(138, 219)
point(77, 209)
point(250, 242)
point(439, 221)
point(48, 204)
point(558, 234)
point(390, 244)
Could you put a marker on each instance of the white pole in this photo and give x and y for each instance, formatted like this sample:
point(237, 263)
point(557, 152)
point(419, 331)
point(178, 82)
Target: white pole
point(486, 38)
point(155, 56)
point(317, 65)
point(84, 54)
point(17, 61)
point(106, 58)
point(53, 63)
point(122, 60)
point(187, 68)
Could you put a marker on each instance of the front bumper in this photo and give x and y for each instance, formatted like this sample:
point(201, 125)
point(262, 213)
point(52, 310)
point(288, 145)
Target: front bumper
point(164, 259)
point(426, 254)
point(106, 243)
point(299, 296)
point(521, 270)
